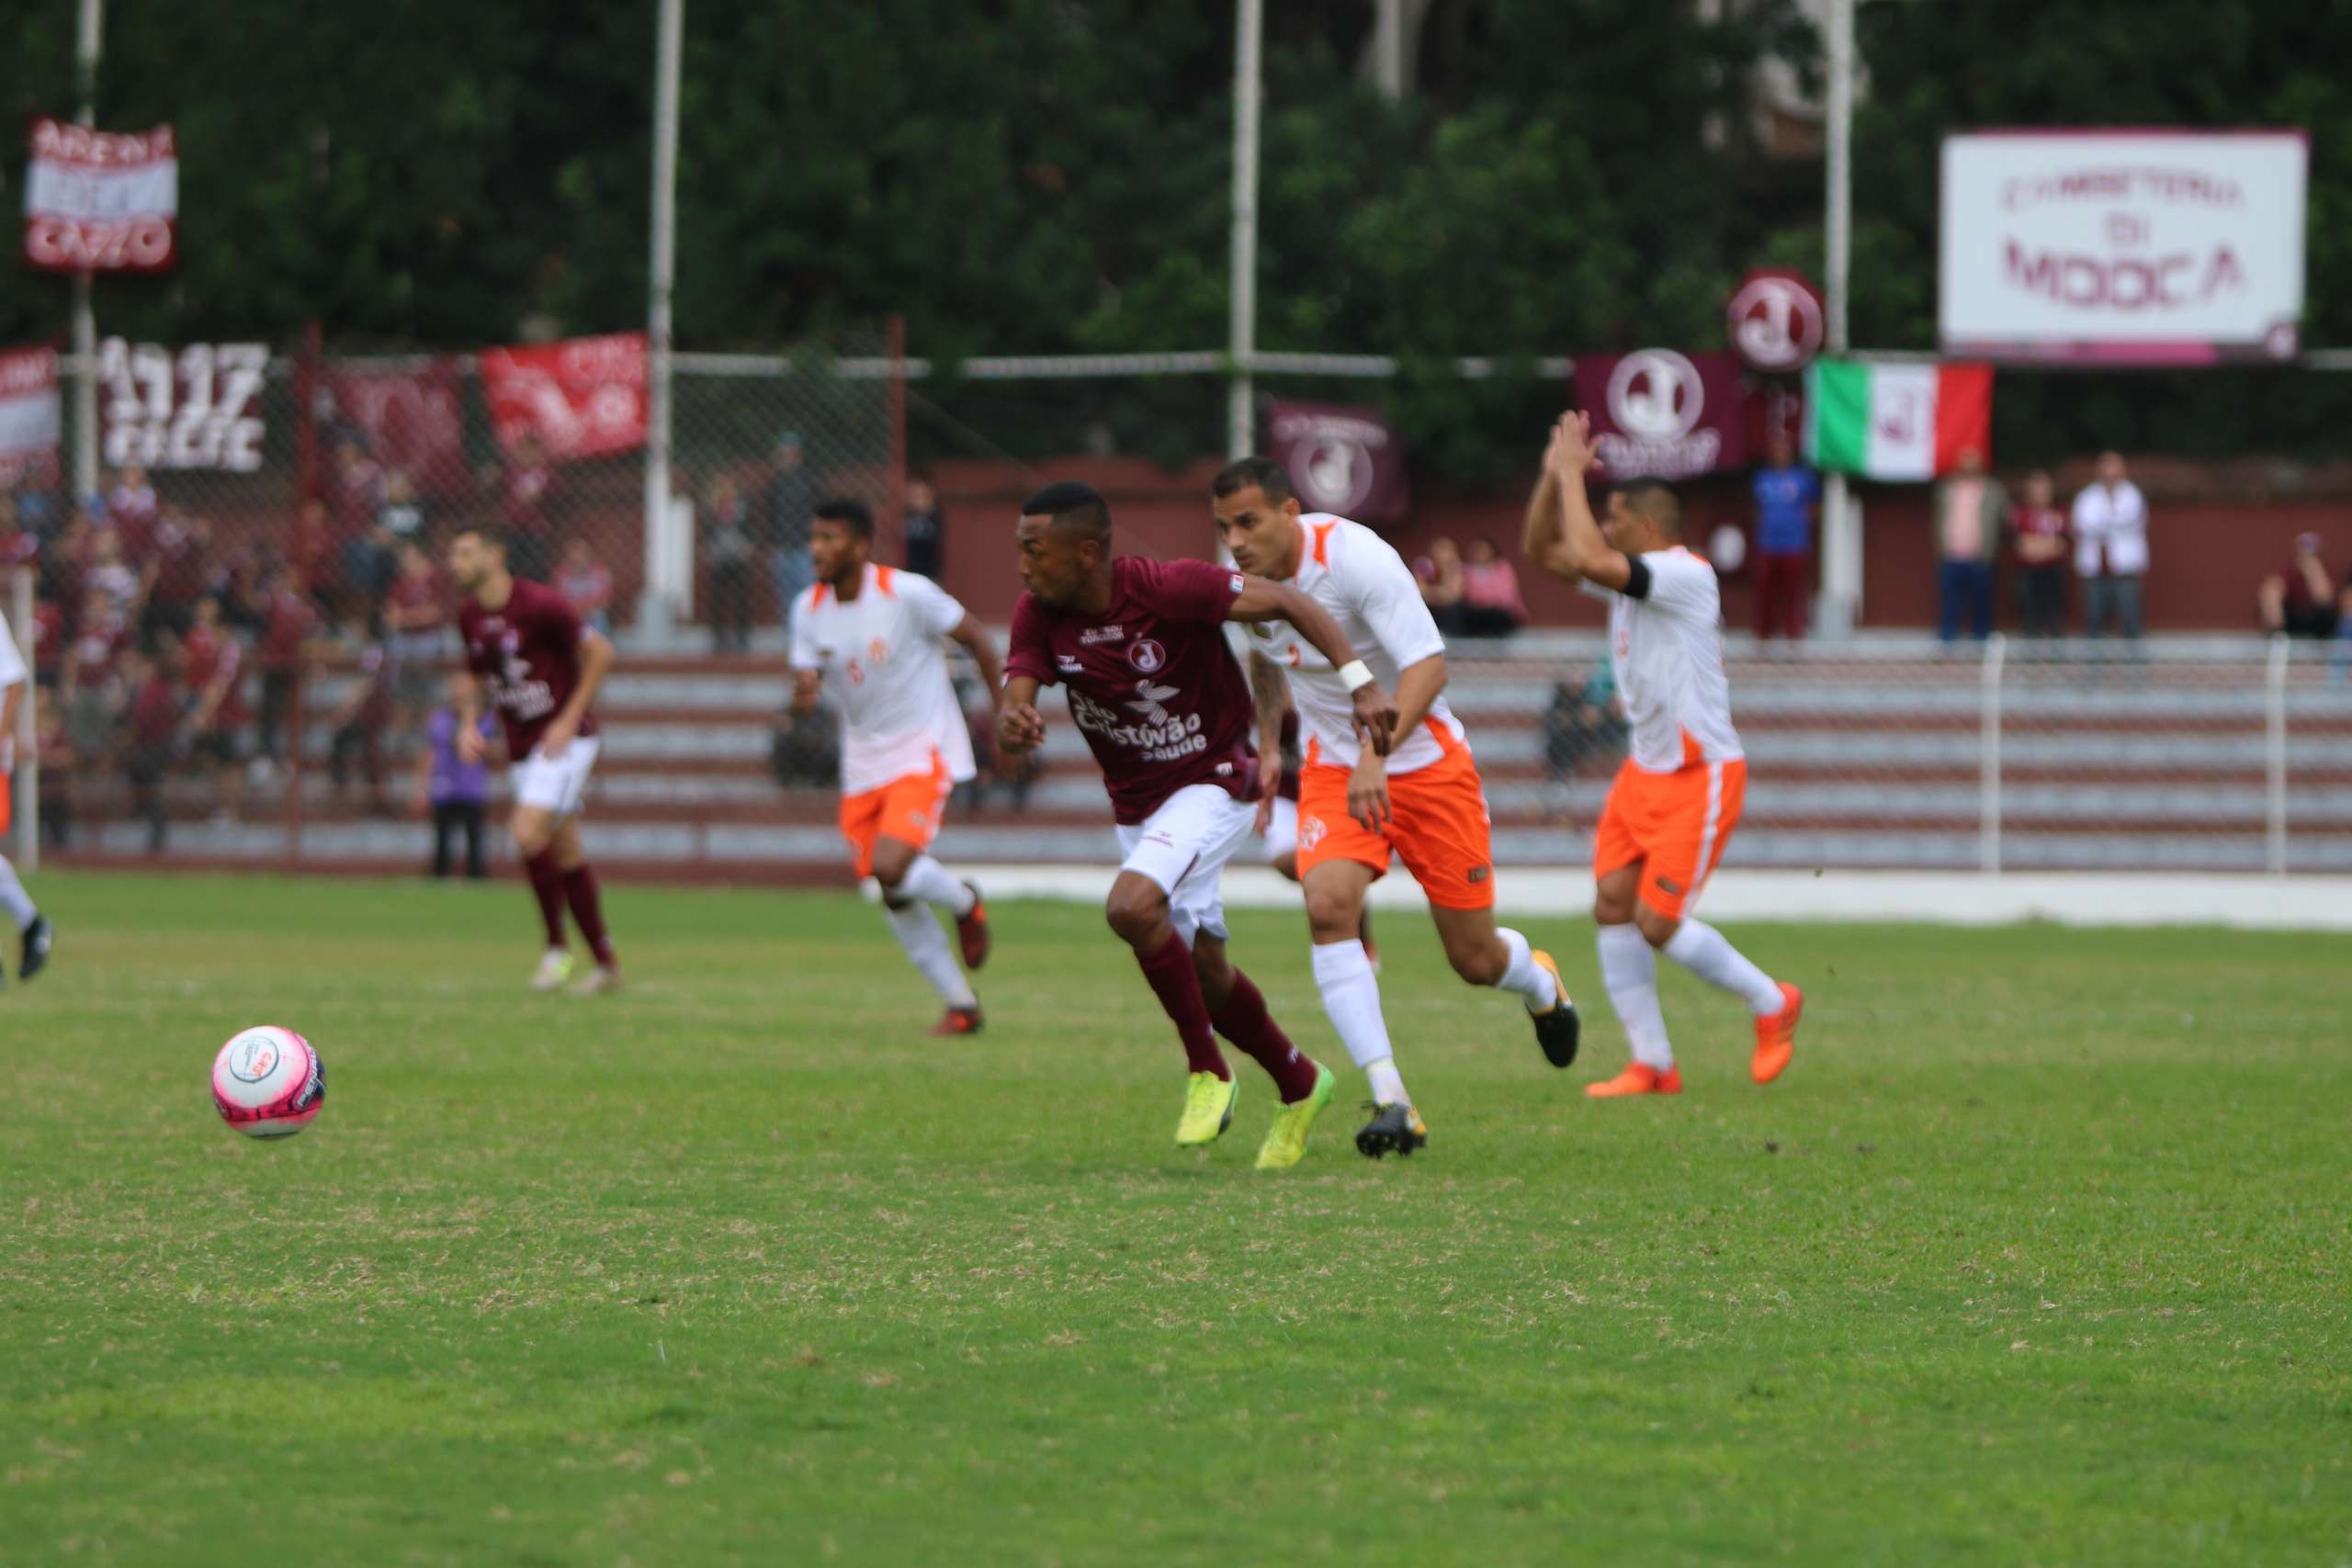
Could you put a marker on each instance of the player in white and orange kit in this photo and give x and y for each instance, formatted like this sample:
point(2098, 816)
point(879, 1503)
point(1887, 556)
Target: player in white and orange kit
point(873, 635)
point(1423, 802)
point(1676, 800)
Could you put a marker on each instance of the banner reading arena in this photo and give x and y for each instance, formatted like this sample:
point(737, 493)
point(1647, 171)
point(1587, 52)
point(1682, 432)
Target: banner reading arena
point(100, 201)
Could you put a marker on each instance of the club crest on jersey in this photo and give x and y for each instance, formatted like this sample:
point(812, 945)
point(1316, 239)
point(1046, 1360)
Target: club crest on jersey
point(1146, 655)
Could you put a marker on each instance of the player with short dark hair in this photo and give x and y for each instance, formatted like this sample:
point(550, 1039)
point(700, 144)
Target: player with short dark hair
point(542, 667)
point(1675, 802)
point(1140, 644)
point(874, 634)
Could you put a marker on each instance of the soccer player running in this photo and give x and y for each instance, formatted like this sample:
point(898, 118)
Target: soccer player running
point(526, 646)
point(872, 635)
point(1675, 800)
point(34, 931)
point(1140, 645)
point(1422, 803)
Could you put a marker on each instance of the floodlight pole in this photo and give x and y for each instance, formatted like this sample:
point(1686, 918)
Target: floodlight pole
point(87, 45)
point(663, 601)
point(1241, 342)
point(1842, 553)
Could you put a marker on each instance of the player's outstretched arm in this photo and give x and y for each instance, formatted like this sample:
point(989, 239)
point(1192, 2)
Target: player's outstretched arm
point(1539, 536)
point(1020, 728)
point(1261, 599)
point(596, 661)
point(974, 639)
point(471, 748)
point(1587, 553)
point(806, 683)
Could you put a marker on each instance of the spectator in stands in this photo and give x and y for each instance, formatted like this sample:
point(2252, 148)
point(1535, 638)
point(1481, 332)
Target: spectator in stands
point(131, 507)
point(452, 791)
point(416, 616)
point(182, 563)
point(354, 503)
point(361, 719)
point(1491, 603)
point(1440, 572)
point(1971, 511)
point(2111, 549)
point(1585, 726)
point(66, 558)
point(526, 485)
point(57, 774)
point(728, 549)
point(586, 584)
point(1788, 500)
point(213, 662)
point(283, 653)
point(403, 514)
point(2302, 600)
point(926, 529)
point(152, 731)
point(109, 574)
point(2041, 531)
point(787, 511)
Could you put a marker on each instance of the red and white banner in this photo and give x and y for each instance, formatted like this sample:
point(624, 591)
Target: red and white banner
point(196, 407)
point(582, 398)
point(30, 414)
point(410, 421)
point(102, 200)
point(1663, 414)
point(1342, 459)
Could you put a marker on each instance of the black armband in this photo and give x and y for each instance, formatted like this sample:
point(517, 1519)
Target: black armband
point(1638, 578)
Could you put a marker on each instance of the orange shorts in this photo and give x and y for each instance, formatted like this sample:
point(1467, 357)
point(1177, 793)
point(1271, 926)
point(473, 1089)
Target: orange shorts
point(1438, 826)
point(1676, 824)
point(906, 808)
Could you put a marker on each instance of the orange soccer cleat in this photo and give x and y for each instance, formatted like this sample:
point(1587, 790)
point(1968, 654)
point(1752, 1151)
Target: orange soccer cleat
point(959, 1020)
point(1776, 1036)
point(972, 929)
point(1639, 1079)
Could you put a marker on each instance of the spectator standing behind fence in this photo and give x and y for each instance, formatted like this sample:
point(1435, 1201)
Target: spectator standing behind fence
point(1788, 499)
point(1971, 511)
point(525, 484)
point(1491, 603)
point(586, 584)
point(456, 793)
point(2039, 529)
point(214, 661)
point(183, 564)
point(152, 732)
point(787, 509)
point(359, 722)
point(2302, 600)
point(287, 623)
point(1440, 574)
point(925, 528)
point(2111, 549)
point(416, 616)
point(728, 549)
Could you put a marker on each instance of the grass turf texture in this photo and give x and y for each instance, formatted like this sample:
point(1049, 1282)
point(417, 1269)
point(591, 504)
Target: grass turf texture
point(2037, 1254)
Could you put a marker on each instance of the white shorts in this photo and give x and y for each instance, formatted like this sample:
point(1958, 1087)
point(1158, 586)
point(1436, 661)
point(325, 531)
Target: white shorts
point(1183, 847)
point(556, 785)
point(1282, 831)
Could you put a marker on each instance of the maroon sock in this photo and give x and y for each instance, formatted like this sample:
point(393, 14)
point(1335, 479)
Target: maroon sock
point(588, 910)
point(1169, 970)
point(1245, 1020)
point(546, 886)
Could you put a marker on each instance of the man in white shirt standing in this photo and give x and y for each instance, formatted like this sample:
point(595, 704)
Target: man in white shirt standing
point(1422, 804)
point(1676, 800)
point(873, 636)
point(32, 926)
point(2111, 548)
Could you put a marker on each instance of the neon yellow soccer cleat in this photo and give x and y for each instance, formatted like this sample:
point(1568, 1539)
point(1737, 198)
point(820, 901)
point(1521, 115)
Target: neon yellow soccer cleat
point(1208, 1110)
point(1285, 1141)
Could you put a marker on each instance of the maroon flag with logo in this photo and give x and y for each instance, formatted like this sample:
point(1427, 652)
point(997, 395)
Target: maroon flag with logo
point(583, 398)
point(1665, 414)
point(32, 416)
point(410, 419)
point(1776, 320)
point(101, 200)
point(1342, 459)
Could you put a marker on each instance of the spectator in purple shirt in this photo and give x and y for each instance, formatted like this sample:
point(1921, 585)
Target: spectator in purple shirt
point(454, 792)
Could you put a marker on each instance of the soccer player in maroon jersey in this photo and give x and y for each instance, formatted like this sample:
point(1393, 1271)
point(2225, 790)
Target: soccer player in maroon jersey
point(1152, 686)
point(525, 646)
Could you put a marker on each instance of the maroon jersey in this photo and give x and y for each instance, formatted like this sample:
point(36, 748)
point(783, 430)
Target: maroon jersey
point(211, 654)
point(1152, 685)
point(527, 654)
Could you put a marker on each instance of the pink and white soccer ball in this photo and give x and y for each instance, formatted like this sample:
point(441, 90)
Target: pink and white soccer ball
point(268, 1082)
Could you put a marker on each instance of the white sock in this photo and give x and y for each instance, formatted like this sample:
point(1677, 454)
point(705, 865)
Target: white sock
point(1531, 980)
point(1629, 968)
point(1705, 951)
point(928, 880)
point(1351, 998)
point(12, 896)
point(926, 944)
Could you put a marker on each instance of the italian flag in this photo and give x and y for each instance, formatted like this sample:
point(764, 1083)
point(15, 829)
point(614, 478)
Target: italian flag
point(1896, 421)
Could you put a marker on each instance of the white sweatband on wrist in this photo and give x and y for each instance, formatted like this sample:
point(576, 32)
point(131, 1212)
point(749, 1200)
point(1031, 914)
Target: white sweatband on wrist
point(1356, 674)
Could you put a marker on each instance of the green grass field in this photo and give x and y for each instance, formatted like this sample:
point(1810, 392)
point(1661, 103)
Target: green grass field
point(2040, 1254)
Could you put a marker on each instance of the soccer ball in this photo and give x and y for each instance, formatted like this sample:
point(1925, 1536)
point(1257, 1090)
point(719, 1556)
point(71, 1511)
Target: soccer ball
point(268, 1082)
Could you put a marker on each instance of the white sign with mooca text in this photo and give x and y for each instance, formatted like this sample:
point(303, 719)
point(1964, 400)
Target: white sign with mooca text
point(2135, 247)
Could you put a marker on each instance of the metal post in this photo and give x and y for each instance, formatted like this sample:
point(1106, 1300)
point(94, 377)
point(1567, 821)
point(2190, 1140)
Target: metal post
point(1988, 839)
point(1388, 48)
point(2275, 753)
point(1242, 394)
point(895, 345)
point(28, 768)
point(86, 49)
point(661, 601)
point(1841, 539)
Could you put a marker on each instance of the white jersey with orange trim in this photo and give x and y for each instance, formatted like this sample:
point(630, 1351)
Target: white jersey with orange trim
point(1357, 577)
point(1666, 642)
point(881, 659)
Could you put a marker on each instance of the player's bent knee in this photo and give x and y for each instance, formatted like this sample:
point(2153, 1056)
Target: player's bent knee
point(1479, 965)
point(1656, 929)
point(1137, 916)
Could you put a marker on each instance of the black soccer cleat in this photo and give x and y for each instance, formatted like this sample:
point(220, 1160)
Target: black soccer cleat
point(1557, 1030)
point(34, 956)
point(1394, 1129)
